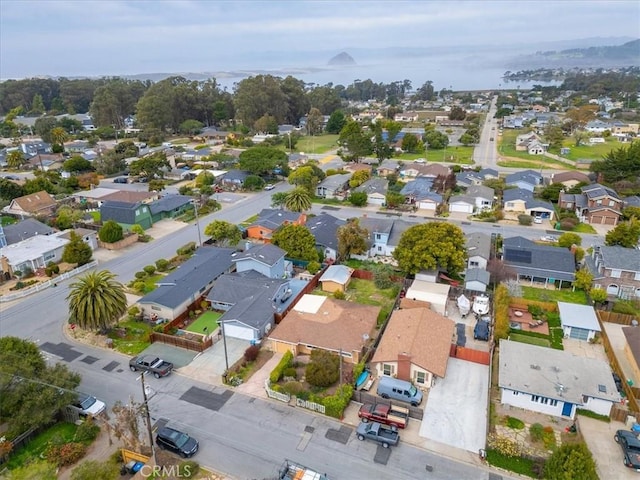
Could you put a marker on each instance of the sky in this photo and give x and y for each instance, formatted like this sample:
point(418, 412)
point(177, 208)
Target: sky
point(96, 38)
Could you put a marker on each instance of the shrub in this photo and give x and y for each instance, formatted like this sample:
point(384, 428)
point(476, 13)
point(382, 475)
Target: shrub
point(133, 311)
point(335, 404)
point(590, 414)
point(285, 362)
point(187, 249)
point(568, 224)
point(162, 264)
point(535, 432)
point(625, 307)
point(137, 228)
point(140, 275)
point(339, 295)
point(571, 461)
point(51, 269)
point(139, 286)
point(87, 431)
point(150, 269)
point(290, 373)
point(66, 454)
point(323, 369)
point(515, 423)
point(520, 465)
point(251, 353)
point(292, 388)
point(504, 445)
point(525, 220)
point(313, 267)
point(548, 438)
point(188, 469)
point(110, 232)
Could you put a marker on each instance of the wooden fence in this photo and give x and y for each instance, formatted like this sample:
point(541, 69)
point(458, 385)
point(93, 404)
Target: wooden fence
point(619, 318)
point(470, 355)
point(308, 288)
point(180, 342)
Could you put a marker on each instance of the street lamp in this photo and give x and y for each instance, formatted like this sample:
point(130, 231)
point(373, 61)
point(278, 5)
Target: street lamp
point(195, 206)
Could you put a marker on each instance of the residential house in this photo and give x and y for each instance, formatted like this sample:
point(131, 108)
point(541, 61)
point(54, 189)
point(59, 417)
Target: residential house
point(617, 270)
point(270, 220)
point(482, 195)
point(424, 289)
point(415, 346)
point(476, 279)
point(570, 179)
point(597, 126)
point(317, 322)
point(27, 228)
point(462, 204)
point(468, 178)
point(489, 174)
point(632, 201)
point(46, 161)
point(90, 237)
point(406, 117)
point(538, 263)
point(388, 167)
point(336, 278)
point(478, 250)
point(515, 199)
point(127, 214)
point(170, 206)
point(531, 143)
point(578, 321)
point(295, 160)
point(632, 350)
point(234, 178)
point(266, 259)
point(419, 192)
point(186, 285)
point(129, 196)
point(353, 167)
point(324, 228)
point(539, 208)
point(250, 301)
point(554, 382)
point(384, 235)
point(333, 186)
point(34, 204)
point(526, 179)
point(376, 190)
point(596, 204)
point(33, 253)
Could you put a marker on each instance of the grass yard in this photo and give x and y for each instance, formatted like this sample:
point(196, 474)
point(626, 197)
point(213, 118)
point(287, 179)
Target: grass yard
point(249, 221)
point(208, 320)
point(366, 293)
point(594, 151)
point(134, 341)
point(459, 154)
point(60, 432)
point(541, 342)
point(584, 228)
point(7, 220)
point(95, 215)
point(316, 144)
point(544, 295)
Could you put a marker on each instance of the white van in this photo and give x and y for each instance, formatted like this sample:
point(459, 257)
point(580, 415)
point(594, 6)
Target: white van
point(402, 390)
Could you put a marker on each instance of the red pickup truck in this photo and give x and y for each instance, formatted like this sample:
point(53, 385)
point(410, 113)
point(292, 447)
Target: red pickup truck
point(388, 415)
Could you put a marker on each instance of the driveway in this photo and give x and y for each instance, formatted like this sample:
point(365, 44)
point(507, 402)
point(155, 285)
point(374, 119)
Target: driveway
point(209, 366)
point(605, 450)
point(178, 356)
point(456, 410)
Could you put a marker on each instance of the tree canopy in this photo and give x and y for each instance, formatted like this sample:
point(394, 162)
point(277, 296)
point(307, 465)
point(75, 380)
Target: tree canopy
point(96, 301)
point(297, 241)
point(625, 234)
point(619, 164)
point(77, 251)
point(571, 461)
point(262, 160)
point(150, 166)
point(223, 233)
point(352, 239)
point(431, 246)
point(355, 144)
point(298, 200)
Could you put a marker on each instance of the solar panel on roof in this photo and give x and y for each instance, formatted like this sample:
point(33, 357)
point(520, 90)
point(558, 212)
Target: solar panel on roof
point(517, 255)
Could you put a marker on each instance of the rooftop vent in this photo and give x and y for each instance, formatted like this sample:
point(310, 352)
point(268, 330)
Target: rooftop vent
point(602, 388)
point(534, 366)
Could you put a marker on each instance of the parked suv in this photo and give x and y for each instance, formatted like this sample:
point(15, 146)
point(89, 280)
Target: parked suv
point(630, 445)
point(177, 442)
point(481, 330)
point(88, 405)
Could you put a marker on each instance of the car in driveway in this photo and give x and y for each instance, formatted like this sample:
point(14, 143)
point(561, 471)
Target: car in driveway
point(482, 329)
point(630, 446)
point(549, 238)
point(269, 186)
point(177, 442)
point(88, 405)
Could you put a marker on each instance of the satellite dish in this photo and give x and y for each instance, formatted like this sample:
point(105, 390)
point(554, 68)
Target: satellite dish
point(634, 322)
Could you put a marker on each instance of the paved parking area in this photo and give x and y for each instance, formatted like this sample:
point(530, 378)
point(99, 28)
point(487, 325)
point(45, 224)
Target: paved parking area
point(606, 452)
point(178, 356)
point(456, 410)
point(583, 348)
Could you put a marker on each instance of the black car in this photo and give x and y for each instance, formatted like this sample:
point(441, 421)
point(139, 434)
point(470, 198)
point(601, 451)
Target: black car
point(481, 330)
point(630, 445)
point(177, 442)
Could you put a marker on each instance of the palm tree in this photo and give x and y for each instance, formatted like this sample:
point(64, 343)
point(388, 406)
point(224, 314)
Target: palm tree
point(59, 136)
point(298, 200)
point(96, 301)
point(15, 159)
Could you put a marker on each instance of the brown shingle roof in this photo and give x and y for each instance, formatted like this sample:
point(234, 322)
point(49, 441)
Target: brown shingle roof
point(338, 324)
point(422, 334)
point(130, 196)
point(571, 175)
point(35, 202)
point(632, 334)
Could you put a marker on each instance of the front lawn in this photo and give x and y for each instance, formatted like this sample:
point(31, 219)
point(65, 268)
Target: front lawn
point(541, 342)
point(521, 465)
point(208, 320)
point(366, 293)
point(130, 337)
point(96, 216)
point(584, 228)
point(316, 144)
point(59, 433)
point(544, 295)
point(459, 154)
point(587, 150)
point(7, 220)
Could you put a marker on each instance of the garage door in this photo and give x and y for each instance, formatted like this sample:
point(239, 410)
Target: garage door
point(609, 220)
point(596, 219)
point(460, 208)
point(579, 333)
point(237, 331)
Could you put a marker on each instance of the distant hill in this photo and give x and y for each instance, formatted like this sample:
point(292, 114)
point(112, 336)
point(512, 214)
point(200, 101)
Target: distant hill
point(342, 59)
point(627, 54)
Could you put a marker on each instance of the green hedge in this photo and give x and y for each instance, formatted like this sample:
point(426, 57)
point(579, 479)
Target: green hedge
point(590, 414)
point(523, 466)
point(285, 362)
point(335, 404)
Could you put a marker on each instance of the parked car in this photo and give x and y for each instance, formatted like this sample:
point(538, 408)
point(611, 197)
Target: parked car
point(152, 364)
point(549, 238)
point(269, 186)
point(385, 436)
point(397, 389)
point(177, 442)
point(481, 330)
point(537, 220)
point(121, 180)
point(630, 446)
point(386, 414)
point(87, 405)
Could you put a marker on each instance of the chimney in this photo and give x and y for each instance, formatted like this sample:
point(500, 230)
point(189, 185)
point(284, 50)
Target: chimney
point(404, 366)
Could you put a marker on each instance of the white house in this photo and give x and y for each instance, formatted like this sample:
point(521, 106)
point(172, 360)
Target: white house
point(578, 321)
point(436, 294)
point(462, 204)
point(478, 250)
point(33, 253)
point(554, 382)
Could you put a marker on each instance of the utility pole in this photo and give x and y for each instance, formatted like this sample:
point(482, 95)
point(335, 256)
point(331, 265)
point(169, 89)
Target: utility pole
point(340, 366)
point(195, 206)
point(148, 418)
point(226, 358)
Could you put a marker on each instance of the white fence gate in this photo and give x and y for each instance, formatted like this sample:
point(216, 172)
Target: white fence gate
point(283, 397)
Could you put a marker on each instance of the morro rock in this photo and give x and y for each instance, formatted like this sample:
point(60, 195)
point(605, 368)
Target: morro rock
point(342, 59)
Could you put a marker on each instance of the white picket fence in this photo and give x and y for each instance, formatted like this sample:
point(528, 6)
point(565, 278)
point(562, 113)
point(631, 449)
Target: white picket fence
point(316, 407)
point(43, 285)
point(283, 397)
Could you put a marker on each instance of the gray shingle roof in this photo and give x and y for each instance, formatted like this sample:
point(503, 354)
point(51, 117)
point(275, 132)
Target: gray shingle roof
point(334, 182)
point(397, 229)
point(376, 225)
point(528, 176)
point(529, 258)
point(324, 228)
point(267, 253)
point(207, 264)
point(337, 273)
point(120, 212)
point(620, 258)
point(481, 191)
point(374, 185)
point(274, 219)
point(534, 203)
point(478, 244)
point(419, 186)
point(27, 228)
point(554, 373)
point(596, 190)
point(511, 194)
point(477, 275)
point(169, 203)
point(580, 316)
